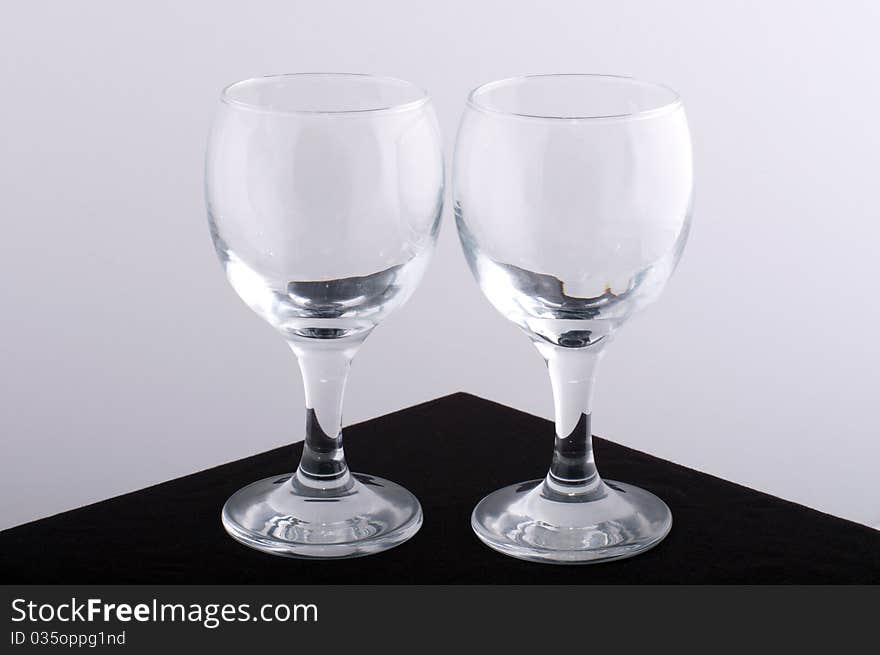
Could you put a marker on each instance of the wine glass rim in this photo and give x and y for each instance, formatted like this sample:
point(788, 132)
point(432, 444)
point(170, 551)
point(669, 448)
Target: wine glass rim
point(422, 95)
point(650, 112)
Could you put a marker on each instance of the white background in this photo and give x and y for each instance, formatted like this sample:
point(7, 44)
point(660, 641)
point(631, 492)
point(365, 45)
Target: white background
point(126, 359)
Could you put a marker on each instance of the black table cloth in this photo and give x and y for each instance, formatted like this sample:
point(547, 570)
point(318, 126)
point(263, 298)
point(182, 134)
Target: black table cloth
point(450, 452)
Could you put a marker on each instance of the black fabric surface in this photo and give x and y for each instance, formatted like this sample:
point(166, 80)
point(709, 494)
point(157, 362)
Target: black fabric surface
point(450, 452)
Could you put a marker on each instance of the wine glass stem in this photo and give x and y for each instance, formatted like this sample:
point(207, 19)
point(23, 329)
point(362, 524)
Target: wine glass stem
point(325, 366)
point(572, 375)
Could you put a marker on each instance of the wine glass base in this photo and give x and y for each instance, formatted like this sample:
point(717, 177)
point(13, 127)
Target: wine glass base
point(274, 517)
point(524, 521)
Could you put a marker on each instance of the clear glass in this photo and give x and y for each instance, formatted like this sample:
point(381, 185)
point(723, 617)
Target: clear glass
point(324, 196)
point(573, 203)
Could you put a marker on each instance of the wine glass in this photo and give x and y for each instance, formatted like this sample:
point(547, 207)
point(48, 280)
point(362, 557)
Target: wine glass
point(324, 195)
point(573, 203)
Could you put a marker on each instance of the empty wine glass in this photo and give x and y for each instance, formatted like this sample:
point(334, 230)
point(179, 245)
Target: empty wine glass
point(573, 202)
point(324, 195)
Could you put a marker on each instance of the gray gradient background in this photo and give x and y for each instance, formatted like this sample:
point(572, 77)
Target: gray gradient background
point(126, 359)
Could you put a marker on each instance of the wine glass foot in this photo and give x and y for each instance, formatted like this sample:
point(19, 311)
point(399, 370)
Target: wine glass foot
point(272, 516)
point(527, 522)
